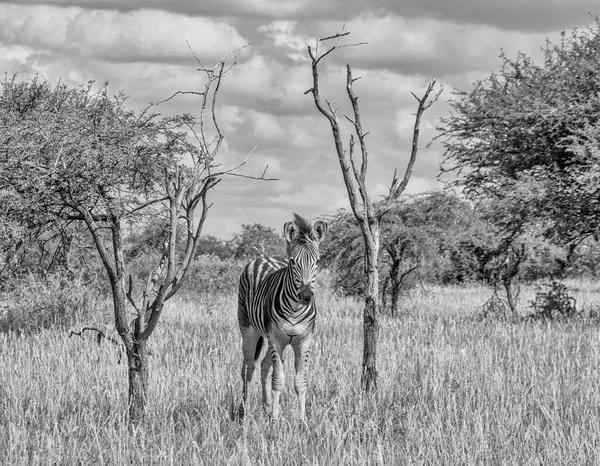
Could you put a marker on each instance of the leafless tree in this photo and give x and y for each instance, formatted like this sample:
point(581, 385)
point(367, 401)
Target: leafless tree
point(186, 185)
point(354, 171)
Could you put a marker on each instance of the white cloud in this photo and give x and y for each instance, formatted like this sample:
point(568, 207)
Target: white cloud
point(15, 54)
point(254, 76)
point(142, 35)
point(530, 15)
point(229, 117)
point(427, 46)
point(283, 34)
point(313, 197)
point(265, 127)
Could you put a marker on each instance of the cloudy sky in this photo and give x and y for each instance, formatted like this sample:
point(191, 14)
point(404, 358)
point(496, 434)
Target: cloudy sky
point(139, 46)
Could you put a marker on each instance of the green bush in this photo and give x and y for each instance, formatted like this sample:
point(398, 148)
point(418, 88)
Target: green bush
point(31, 303)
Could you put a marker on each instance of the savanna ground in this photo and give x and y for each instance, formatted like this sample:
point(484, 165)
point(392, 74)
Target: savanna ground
point(452, 390)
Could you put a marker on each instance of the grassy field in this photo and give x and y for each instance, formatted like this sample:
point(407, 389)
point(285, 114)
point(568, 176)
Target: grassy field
point(452, 390)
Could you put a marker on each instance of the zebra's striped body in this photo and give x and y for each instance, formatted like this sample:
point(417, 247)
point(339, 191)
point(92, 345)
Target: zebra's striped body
point(276, 304)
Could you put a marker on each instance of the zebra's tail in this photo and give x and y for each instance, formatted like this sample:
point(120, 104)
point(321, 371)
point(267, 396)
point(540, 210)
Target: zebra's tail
point(259, 347)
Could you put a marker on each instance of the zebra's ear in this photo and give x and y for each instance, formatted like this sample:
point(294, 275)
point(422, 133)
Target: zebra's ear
point(290, 231)
point(320, 229)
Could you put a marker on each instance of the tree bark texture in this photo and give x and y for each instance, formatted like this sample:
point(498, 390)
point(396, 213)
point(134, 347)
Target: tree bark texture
point(371, 327)
point(395, 283)
point(509, 288)
point(137, 360)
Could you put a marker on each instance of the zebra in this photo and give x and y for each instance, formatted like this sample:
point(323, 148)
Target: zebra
point(276, 303)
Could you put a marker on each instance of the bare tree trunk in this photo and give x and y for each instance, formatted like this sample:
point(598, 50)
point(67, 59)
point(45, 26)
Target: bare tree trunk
point(371, 327)
point(368, 215)
point(137, 360)
point(509, 273)
point(511, 294)
point(135, 347)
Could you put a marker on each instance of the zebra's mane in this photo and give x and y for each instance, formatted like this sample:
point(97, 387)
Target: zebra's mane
point(304, 227)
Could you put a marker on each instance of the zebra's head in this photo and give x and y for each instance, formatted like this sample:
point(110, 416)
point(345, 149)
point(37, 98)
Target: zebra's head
point(303, 240)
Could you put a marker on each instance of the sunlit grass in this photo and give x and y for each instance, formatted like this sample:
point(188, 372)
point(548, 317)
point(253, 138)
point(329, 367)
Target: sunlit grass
point(452, 390)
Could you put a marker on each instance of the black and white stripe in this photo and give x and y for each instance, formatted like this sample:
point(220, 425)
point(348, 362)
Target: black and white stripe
point(276, 304)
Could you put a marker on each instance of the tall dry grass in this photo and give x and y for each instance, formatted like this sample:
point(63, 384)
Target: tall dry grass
point(452, 390)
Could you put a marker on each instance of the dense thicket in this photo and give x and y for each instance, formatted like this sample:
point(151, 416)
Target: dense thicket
point(436, 237)
point(441, 238)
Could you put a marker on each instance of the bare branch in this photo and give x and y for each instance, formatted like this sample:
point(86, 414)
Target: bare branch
point(130, 295)
point(335, 36)
point(397, 188)
point(179, 93)
point(195, 56)
point(330, 107)
point(312, 57)
point(242, 163)
point(145, 205)
point(435, 97)
point(249, 177)
point(219, 137)
point(357, 125)
point(350, 180)
point(226, 56)
point(351, 157)
point(99, 335)
point(192, 239)
point(336, 47)
point(231, 171)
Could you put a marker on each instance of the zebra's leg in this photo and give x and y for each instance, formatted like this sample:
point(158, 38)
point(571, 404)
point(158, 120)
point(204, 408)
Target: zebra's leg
point(250, 339)
point(265, 371)
point(276, 352)
point(302, 346)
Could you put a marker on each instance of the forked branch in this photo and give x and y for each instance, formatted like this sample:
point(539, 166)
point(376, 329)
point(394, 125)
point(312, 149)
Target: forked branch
point(397, 187)
point(355, 194)
point(367, 215)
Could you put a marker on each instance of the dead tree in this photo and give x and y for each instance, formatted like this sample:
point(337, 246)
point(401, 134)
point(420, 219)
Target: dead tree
point(354, 172)
point(184, 206)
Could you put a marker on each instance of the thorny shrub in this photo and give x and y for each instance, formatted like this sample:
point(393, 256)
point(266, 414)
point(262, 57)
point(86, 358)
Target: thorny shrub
point(554, 302)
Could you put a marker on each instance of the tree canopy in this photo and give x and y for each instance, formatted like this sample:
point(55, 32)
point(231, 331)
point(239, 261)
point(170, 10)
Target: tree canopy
point(79, 155)
point(527, 140)
point(64, 147)
point(257, 240)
